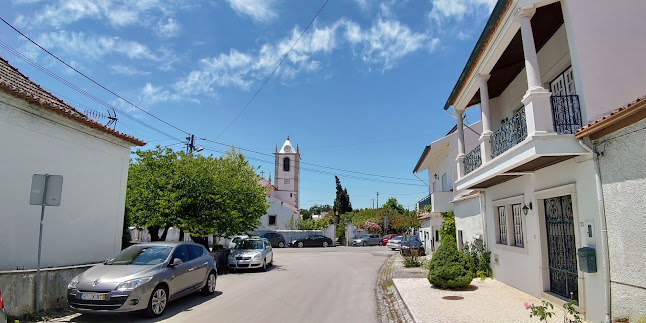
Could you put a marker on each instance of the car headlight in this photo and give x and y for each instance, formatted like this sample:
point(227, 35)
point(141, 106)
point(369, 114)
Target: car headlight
point(73, 283)
point(232, 257)
point(133, 283)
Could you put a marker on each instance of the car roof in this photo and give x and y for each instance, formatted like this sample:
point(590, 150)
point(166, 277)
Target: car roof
point(166, 243)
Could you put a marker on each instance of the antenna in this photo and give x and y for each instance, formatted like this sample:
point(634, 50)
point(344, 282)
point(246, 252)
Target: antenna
point(111, 116)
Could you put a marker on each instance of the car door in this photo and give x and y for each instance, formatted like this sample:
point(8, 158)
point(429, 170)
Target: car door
point(374, 239)
point(180, 280)
point(269, 252)
point(199, 265)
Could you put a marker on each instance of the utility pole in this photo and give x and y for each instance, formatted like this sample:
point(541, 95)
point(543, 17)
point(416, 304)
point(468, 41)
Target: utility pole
point(377, 199)
point(373, 203)
point(190, 145)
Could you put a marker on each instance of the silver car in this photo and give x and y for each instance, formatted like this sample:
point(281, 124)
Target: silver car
point(144, 277)
point(251, 253)
point(368, 240)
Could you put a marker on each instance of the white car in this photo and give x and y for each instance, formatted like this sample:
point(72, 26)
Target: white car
point(236, 239)
point(251, 253)
point(395, 243)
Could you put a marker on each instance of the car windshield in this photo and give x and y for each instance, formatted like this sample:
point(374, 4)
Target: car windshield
point(141, 255)
point(249, 244)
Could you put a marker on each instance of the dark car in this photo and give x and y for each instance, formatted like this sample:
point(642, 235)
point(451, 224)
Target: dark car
point(315, 240)
point(412, 243)
point(276, 239)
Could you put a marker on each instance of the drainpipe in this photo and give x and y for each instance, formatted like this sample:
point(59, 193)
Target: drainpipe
point(484, 218)
point(603, 227)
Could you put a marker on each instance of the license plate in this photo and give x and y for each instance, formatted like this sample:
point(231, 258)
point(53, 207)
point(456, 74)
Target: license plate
point(93, 297)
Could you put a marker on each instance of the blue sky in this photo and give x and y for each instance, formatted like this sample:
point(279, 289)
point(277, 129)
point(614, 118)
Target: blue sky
point(363, 90)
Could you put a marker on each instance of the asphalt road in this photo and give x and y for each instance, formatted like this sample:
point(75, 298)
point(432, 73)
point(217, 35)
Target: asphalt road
point(304, 285)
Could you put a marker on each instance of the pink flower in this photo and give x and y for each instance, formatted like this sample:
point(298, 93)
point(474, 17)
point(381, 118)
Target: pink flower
point(527, 306)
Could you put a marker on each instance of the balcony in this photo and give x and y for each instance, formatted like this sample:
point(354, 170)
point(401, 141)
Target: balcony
point(440, 201)
point(424, 202)
point(514, 152)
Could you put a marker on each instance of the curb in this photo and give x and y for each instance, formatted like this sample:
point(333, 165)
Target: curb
point(415, 319)
point(385, 276)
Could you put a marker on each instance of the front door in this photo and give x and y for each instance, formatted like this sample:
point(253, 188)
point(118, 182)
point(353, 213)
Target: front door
point(561, 247)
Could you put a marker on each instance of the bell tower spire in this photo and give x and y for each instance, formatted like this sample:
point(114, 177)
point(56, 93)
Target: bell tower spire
point(287, 174)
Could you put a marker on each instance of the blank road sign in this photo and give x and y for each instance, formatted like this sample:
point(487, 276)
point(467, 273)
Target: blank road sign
point(53, 193)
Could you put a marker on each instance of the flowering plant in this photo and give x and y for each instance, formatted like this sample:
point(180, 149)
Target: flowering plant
point(371, 226)
point(543, 312)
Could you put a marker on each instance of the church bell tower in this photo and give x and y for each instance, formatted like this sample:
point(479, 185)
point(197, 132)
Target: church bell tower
point(287, 175)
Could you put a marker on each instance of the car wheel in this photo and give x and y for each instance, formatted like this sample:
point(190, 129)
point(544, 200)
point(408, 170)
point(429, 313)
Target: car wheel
point(209, 287)
point(325, 244)
point(300, 244)
point(271, 263)
point(364, 244)
point(281, 245)
point(264, 265)
point(158, 301)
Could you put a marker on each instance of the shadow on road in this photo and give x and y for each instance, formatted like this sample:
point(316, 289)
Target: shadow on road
point(184, 304)
point(273, 267)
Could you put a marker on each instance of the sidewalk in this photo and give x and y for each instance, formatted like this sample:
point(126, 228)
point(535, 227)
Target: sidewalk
point(482, 301)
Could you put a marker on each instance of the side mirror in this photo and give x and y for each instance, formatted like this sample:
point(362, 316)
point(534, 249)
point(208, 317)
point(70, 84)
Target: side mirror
point(175, 262)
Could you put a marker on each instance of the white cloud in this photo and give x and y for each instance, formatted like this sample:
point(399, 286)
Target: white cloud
point(258, 10)
point(128, 70)
point(457, 9)
point(167, 28)
point(363, 4)
point(95, 46)
point(151, 95)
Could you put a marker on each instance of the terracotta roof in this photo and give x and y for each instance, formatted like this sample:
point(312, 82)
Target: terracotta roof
point(615, 120)
point(424, 217)
point(17, 84)
point(474, 192)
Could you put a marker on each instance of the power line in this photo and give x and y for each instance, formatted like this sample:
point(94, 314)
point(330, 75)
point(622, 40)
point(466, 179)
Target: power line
point(274, 71)
point(90, 79)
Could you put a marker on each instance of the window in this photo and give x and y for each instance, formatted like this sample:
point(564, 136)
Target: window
point(272, 220)
point(437, 235)
point(518, 225)
point(460, 243)
point(502, 225)
point(181, 253)
point(433, 187)
point(195, 252)
point(286, 164)
point(564, 84)
point(445, 183)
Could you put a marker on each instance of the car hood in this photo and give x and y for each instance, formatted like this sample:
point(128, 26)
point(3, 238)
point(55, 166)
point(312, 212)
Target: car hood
point(117, 273)
point(245, 252)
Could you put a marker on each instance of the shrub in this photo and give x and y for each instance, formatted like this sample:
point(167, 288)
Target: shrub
point(449, 268)
point(479, 258)
point(412, 260)
point(448, 227)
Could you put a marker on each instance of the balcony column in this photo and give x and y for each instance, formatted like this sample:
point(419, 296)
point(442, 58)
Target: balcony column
point(461, 154)
point(537, 99)
point(485, 147)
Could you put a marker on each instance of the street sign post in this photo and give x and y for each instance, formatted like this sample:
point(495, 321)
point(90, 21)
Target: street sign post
point(46, 190)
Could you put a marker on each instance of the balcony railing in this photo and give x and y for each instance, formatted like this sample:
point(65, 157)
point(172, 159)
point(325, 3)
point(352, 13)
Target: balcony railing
point(472, 160)
point(510, 133)
point(424, 202)
point(566, 113)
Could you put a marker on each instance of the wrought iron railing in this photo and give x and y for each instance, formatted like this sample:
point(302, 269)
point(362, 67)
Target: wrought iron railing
point(510, 133)
point(472, 160)
point(424, 202)
point(566, 113)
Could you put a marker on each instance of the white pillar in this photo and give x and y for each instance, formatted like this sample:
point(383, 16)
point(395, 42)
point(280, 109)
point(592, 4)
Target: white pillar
point(538, 112)
point(485, 147)
point(529, 49)
point(461, 155)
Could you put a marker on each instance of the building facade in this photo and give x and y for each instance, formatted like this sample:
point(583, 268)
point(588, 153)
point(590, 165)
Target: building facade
point(539, 71)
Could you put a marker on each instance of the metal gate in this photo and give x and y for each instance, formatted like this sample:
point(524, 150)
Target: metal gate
point(561, 247)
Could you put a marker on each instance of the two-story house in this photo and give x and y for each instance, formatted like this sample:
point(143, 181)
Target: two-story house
point(439, 159)
point(540, 70)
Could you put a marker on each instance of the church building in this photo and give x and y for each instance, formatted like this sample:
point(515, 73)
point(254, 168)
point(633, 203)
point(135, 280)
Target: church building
point(283, 195)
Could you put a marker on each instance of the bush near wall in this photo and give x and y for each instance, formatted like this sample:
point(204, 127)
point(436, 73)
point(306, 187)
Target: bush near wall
point(449, 268)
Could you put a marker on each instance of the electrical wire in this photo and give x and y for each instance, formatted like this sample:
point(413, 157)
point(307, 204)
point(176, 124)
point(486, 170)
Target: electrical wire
point(274, 71)
point(89, 78)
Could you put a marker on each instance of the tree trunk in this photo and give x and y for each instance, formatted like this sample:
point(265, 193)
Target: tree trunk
point(163, 236)
point(202, 240)
point(154, 233)
point(181, 235)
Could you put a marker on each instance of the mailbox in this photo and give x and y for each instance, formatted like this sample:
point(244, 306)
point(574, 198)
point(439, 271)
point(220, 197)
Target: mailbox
point(587, 260)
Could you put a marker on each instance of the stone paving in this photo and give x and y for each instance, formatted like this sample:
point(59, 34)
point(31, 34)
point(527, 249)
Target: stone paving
point(483, 301)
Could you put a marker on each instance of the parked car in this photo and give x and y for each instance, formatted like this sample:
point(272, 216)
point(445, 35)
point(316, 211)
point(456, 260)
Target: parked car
point(3, 315)
point(412, 244)
point(251, 253)
point(276, 239)
point(144, 277)
point(367, 240)
point(315, 240)
point(387, 237)
point(395, 243)
point(236, 239)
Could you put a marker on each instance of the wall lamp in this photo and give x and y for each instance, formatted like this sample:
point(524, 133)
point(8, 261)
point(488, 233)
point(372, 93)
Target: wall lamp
point(436, 176)
point(526, 208)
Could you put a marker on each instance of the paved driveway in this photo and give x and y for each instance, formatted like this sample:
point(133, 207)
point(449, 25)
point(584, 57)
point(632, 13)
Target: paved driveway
point(304, 285)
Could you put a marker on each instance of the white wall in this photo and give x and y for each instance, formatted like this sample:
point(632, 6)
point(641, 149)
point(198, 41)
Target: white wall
point(624, 187)
point(87, 227)
point(607, 54)
point(468, 218)
point(521, 267)
point(283, 215)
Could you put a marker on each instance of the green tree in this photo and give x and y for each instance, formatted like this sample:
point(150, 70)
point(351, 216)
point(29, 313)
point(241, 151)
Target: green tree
point(342, 202)
point(306, 214)
point(449, 268)
point(201, 195)
point(394, 205)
